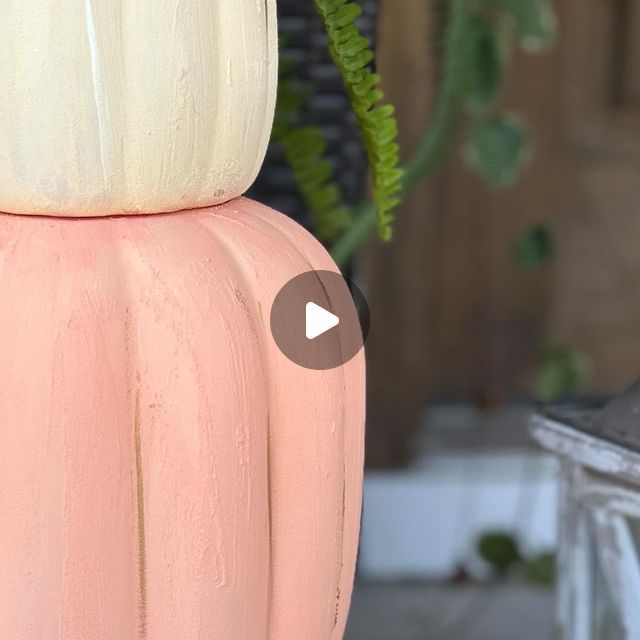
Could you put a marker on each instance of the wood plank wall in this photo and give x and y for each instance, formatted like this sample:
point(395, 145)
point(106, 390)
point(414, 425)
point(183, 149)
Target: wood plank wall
point(451, 314)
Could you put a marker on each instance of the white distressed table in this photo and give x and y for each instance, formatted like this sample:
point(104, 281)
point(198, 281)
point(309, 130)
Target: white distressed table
point(598, 556)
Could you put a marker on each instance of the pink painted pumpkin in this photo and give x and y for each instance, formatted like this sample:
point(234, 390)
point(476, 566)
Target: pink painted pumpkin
point(166, 473)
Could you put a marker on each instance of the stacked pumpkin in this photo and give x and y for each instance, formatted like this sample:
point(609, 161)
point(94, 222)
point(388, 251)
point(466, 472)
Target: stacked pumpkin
point(166, 474)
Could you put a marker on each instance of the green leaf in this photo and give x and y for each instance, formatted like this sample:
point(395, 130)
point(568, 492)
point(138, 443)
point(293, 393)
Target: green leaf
point(535, 22)
point(497, 150)
point(534, 247)
point(541, 569)
point(352, 55)
point(562, 373)
point(499, 549)
point(488, 62)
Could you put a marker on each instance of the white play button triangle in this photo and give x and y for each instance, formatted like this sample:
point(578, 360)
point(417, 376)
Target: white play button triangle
point(319, 321)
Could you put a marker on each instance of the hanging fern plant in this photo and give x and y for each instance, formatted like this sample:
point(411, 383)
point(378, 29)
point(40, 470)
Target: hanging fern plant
point(476, 39)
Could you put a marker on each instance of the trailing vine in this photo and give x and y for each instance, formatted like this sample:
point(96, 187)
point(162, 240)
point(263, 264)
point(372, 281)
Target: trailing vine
point(476, 38)
point(451, 93)
point(434, 142)
point(352, 55)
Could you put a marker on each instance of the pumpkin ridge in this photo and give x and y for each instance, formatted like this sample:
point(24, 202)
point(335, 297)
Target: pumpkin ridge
point(287, 231)
point(300, 250)
point(147, 247)
point(141, 524)
point(226, 245)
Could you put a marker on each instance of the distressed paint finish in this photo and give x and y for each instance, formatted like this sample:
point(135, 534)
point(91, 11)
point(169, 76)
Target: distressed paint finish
point(600, 499)
point(166, 473)
point(585, 449)
point(575, 590)
point(133, 106)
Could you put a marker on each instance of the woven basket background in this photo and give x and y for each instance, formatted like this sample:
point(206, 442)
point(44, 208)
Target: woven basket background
point(328, 107)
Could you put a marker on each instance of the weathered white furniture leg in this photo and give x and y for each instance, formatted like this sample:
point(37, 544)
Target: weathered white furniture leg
point(612, 508)
point(599, 556)
point(575, 560)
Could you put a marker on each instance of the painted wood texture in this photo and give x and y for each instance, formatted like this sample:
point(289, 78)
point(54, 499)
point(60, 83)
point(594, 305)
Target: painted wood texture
point(133, 106)
point(598, 559)
point(167, 474)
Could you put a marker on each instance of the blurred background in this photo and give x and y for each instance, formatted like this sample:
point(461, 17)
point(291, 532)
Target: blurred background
point(512, 279)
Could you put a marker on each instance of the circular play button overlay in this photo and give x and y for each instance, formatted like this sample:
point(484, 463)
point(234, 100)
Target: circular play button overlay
point(320, 320)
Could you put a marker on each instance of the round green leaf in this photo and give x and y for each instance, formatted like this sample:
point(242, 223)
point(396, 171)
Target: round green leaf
point(562, 373)
point(498, 148)
point(488, 62)
point(535, 22)
point(499, 549)
point(541, 569)
point(534, 247)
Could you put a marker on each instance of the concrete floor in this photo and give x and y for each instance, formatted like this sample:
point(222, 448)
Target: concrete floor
point(440, 612)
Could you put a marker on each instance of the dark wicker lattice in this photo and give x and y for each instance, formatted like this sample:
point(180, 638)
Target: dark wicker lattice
point(305, 47)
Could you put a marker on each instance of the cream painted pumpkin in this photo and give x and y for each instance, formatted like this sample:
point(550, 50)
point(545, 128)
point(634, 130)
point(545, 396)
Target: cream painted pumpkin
point(133, 106)
point(166, 473)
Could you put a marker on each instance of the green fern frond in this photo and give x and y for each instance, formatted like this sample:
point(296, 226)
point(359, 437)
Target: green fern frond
point(437, 138)
point(352, 55)
point(305, 152)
